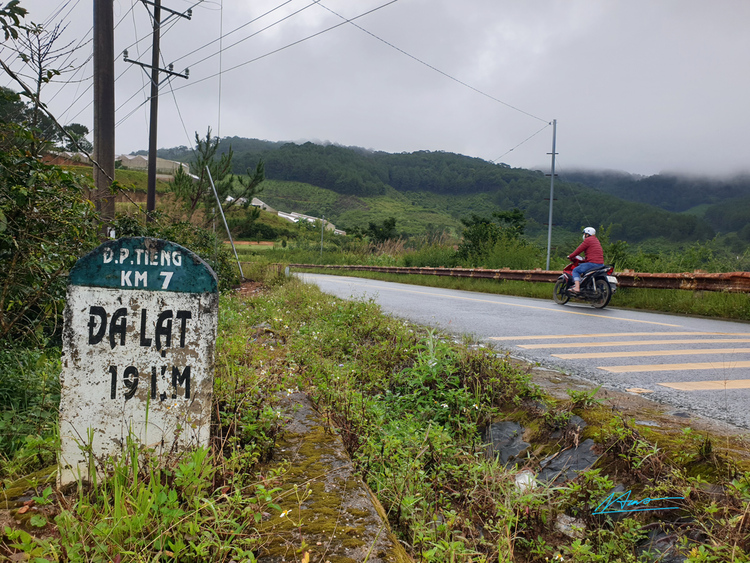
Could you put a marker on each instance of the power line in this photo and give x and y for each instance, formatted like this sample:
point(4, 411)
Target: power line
point(547, 123)
point(168, 28)
point(221, 37)
point(521, 143)
point(139, 106)
point(256, 33)
point(138, 52)
point(221, 50)
point(257, 58)
point(134, 44)
point(55, 15)
point(344, 21)
point(179, 114)
point(84, 40)
point(260, 57)
point(478, 91)
point(143, 87)
point(92, 101)
point(177, 107)
point(49, 114)
point(192, 83)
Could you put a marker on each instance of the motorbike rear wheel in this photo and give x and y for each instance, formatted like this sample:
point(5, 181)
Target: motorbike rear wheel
point(560, 293)
point(603, 293)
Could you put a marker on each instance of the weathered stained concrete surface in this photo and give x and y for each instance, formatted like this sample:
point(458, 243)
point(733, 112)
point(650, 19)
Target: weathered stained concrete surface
point(332, 514)
point(139, 340)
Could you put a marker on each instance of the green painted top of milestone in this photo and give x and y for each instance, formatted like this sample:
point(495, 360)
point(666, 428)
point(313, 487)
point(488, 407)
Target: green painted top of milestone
point(146, 264)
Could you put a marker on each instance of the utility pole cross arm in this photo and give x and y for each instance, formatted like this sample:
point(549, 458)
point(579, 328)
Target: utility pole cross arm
point(187, 15)
point(145, 66)
point(155, 83)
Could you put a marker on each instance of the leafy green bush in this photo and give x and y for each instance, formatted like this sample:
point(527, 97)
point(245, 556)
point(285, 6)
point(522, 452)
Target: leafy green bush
point(46, 224)
point(245, 228)
point(203, 242)
point(29, 397)
point(431, 256)
point(516, 254)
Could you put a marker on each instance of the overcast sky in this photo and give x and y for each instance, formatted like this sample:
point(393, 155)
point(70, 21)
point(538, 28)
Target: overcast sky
point(641, 86)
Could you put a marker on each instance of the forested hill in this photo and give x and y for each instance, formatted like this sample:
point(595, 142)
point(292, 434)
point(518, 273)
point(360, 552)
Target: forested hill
point(360, 173)
point(723, 203)
point(668, 191)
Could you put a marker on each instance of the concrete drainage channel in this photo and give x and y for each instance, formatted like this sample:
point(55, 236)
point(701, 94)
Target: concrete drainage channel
point(327, 511)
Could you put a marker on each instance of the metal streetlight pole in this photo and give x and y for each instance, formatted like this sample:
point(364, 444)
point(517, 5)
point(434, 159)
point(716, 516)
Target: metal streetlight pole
point(322, 226)
point(551, 190)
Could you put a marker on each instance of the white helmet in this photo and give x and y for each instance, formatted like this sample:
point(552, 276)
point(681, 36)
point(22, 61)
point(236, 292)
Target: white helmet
point(591, 231)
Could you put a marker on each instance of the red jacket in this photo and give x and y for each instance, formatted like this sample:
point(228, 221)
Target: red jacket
point(592, 248)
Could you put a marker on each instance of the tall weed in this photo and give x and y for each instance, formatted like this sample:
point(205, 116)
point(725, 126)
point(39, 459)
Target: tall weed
point(29, 396)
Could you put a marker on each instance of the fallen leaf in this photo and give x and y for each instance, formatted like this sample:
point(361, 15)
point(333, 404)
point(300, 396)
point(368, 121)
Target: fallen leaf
point(23, 510)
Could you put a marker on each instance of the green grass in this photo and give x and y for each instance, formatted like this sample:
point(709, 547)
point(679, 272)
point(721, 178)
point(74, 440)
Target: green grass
point(415, 214)
point(408, 404)
point(130, 180)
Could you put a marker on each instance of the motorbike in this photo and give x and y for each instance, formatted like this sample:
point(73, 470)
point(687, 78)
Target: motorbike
point(597, 285)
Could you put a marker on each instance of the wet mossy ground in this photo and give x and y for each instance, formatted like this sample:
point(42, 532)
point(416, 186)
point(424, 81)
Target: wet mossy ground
point(707, 447)
point(14, 494)
point(326, 509)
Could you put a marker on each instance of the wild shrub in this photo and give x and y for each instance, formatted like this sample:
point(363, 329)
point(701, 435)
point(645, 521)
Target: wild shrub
point(431, 256)
point(46, 224)
point(29, 397)
point(204, 242)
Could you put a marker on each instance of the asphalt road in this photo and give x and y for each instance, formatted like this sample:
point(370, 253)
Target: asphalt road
point(698, 366)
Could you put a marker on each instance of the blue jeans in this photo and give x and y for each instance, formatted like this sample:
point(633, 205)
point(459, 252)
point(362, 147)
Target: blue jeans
point(581, 269)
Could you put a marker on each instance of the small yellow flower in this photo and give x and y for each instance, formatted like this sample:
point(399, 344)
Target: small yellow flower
point(284, 514)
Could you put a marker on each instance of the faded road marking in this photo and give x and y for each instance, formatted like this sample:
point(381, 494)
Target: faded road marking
point(675, 367)
point(610, 334)
point(709, 385)
point(640, 354)
point(630, 343)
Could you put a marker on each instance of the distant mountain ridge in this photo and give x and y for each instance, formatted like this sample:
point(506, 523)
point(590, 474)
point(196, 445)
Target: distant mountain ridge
point(670, 192)
point(636, 207)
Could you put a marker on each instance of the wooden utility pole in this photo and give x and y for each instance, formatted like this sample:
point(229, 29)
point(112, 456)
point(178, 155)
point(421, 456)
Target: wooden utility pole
point(151, 194)
point(155, 83)
point(104, 109)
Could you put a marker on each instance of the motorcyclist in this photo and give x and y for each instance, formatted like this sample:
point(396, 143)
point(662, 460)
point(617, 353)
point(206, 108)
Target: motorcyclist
point(592, 248)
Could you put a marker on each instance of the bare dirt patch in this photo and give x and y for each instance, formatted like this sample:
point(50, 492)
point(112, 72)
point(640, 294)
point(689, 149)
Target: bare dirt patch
point(253, 243)
point(250, 288)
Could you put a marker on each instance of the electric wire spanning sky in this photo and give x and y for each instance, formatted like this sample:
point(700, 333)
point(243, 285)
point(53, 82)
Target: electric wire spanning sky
point(635, 85)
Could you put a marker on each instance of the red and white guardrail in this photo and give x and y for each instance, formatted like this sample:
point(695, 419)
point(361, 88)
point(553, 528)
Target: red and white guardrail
point(729, 282)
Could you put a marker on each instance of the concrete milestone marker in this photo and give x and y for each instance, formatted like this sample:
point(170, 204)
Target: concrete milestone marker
point(138, 353)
